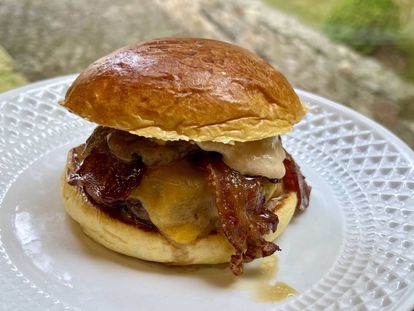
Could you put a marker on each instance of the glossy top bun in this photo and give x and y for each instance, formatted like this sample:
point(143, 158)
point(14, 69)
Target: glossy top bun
point(189, 89)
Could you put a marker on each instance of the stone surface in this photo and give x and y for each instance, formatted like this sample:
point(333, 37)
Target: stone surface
point(307, 58)
point(9, 78)
point(49, 38)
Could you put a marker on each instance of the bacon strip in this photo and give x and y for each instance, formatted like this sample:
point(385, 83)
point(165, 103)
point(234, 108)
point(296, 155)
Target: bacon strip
point(105, 178)
point(243, 217)
point(108, 181)
point(295, 181)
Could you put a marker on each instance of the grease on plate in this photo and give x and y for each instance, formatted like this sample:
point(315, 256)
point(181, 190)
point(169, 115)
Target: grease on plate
point(274, 292)
point(259, 281)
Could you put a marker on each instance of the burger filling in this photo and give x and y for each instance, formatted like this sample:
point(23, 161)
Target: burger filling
point(187, 190)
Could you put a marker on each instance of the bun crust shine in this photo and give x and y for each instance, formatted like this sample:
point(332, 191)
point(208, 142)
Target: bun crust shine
point(189, 89)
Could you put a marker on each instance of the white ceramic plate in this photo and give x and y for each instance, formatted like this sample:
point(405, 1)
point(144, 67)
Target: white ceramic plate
point(352, 249)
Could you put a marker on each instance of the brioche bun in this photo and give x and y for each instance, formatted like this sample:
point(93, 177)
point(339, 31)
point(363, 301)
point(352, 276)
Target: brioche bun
point(150, 245)
point(188, 89)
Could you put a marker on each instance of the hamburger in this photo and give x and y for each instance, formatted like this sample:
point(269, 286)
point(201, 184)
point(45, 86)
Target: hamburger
point(186, 165)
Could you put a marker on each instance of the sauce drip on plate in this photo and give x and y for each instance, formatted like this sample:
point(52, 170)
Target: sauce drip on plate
point(274, 292)
point(260, 282)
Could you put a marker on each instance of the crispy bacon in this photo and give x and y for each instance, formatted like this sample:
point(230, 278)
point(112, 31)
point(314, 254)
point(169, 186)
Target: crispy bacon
point(295, 181)
point(108, 181)
point(105, 178)
point(241, 208)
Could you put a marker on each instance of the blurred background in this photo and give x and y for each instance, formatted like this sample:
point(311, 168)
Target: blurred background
point(357, 52)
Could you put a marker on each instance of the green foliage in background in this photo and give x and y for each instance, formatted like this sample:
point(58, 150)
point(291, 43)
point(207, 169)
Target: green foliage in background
point(319, 13)
point(9, 78)
point(364, 24)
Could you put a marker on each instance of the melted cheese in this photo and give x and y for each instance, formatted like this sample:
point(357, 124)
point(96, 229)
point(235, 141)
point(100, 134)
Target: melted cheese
point(178, 201)
point(255, 158)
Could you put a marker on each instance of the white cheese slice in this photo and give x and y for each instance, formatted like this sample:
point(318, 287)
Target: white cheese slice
point(255, 158)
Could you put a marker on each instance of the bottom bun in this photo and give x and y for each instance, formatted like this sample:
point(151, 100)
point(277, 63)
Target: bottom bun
point(152, 246)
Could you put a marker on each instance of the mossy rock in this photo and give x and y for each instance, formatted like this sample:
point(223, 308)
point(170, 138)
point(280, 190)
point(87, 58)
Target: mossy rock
point(9, 78)
point(364, 24)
